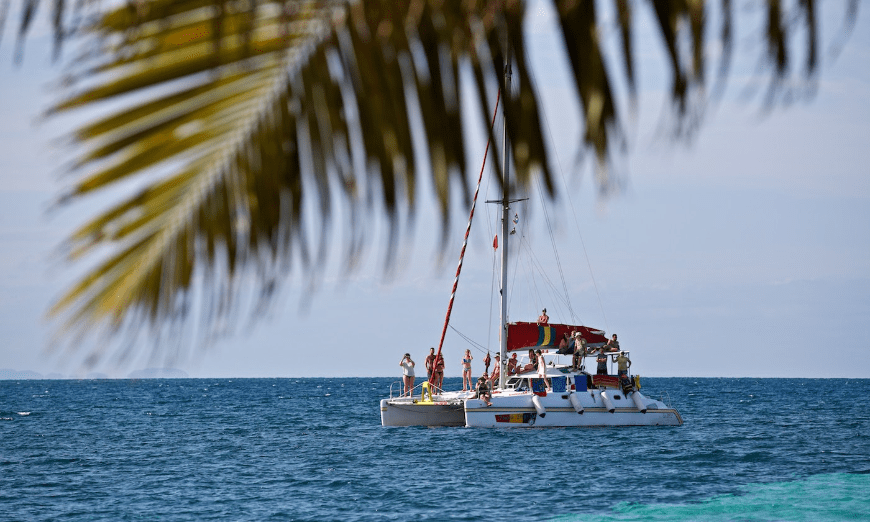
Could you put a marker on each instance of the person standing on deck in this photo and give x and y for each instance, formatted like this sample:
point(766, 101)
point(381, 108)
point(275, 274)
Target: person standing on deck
point(623, 364)
point(439, 371)
point(493, 379)
point(543, 319)
point(407, 365)
point(466, 371)
point(579, 352)
point(430, 361)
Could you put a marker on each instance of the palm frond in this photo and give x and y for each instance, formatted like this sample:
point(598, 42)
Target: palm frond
point(236, 116)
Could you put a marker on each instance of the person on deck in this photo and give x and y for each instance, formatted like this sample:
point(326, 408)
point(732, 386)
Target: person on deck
point(612, 345)
point(439, 371)
point(407, 365)
point(543, 319)
point(430, 360)
point(483, 390)
point(602, 361)
point(579, 352)
point(532, 364)
point(623, 364)
point(466, 371)
point(512, 365)
point(563, 345)
point(486, 361)
point(542, 368)
point(496, 371)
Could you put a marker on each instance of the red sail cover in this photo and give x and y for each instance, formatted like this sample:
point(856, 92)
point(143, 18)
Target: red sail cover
point(522, 336)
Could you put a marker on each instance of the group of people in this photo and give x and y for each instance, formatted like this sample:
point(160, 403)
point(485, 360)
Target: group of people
point(570, 344)
point(435, 371)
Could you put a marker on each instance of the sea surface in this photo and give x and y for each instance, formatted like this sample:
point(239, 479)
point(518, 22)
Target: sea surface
point(314, 449)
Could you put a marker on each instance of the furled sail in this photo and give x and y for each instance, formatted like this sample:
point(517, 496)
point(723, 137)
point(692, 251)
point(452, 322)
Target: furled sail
point(522, 336)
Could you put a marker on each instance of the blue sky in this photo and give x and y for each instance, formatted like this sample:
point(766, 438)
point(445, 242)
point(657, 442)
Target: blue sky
point(743, 253)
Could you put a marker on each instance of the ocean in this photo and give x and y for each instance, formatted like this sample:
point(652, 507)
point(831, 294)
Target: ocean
point(314, 449)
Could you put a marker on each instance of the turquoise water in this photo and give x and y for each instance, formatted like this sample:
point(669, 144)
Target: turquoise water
point(313, 449)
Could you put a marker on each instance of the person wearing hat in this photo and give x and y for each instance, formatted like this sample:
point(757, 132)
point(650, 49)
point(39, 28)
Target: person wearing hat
point(623, 363)
point(579, 352)
point(407, 365)
point(483, 391)
point(544, 318)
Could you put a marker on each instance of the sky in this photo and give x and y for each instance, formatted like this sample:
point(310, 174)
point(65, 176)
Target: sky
point(742, 253)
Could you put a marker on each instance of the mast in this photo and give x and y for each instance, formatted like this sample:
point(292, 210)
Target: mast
point(505, 217)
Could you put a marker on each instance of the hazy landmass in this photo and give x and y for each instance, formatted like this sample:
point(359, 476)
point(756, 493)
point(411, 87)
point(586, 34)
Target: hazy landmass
point(147, 373)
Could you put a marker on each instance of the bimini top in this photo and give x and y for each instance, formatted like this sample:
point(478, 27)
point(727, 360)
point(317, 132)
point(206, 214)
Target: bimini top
point(522, 336)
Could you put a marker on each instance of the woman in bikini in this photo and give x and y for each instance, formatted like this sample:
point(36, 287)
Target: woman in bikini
point(466, 371)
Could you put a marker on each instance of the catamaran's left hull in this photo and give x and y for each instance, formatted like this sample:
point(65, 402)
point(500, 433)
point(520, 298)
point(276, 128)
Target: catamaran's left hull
point(404, 412)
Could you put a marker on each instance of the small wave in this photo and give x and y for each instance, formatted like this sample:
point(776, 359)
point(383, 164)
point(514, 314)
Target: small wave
point(23, 413)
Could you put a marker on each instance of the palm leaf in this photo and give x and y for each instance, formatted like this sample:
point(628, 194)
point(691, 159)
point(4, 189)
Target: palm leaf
point(234, 115)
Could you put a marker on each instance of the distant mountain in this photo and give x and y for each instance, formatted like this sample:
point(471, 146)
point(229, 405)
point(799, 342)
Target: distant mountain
point(158, 373)
point(6, 373)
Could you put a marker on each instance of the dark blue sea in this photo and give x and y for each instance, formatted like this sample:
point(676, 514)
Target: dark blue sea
point(314, 449)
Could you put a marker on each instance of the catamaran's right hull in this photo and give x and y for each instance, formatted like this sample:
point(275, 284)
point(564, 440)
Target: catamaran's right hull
point(557, 410)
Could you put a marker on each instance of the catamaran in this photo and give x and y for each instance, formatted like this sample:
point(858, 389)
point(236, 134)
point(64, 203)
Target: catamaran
point(552, 391)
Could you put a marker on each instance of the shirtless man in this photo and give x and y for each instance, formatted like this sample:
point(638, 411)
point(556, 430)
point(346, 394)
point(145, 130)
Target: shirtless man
point(543, 318)
point(430, 359)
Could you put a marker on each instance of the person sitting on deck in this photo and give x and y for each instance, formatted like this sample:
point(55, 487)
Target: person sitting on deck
point(602, 361)
point(512, 365)
point(543, 319)
point(483, 390)
point(532, 364)
point(564, 345)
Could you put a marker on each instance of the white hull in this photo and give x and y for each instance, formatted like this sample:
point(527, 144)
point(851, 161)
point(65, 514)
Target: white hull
point(517, 410)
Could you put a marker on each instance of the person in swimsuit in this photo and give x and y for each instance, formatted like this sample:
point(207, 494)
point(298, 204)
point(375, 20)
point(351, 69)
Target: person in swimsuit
point(512, 365)
point(438, 378)
point(466, 371)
